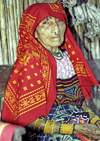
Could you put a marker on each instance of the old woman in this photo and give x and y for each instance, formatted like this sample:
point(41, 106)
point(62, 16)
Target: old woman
point(50, 79)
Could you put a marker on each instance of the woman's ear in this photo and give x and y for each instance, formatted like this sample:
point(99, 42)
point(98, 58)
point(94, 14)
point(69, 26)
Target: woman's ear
point(35, 34)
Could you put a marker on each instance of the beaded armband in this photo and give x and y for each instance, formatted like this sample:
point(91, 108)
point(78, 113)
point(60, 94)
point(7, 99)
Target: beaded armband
point(49, 127)
point(66, 128)
point(94, 119)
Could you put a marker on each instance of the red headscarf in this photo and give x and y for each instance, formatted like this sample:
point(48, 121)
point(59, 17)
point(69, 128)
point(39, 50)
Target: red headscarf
point(31, 89)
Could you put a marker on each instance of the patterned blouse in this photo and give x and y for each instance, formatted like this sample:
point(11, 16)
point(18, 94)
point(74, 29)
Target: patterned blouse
point(68, 88)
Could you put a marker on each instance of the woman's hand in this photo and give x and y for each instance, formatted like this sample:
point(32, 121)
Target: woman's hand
point(85, 107)
point(87, 130)
point(19, 131)
point(98, 123)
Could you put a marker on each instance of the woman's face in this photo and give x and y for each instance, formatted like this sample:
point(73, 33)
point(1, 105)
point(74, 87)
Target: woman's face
point(50, 32)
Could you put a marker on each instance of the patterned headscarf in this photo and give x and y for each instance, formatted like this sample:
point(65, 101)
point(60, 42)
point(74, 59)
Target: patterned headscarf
point(31, 89)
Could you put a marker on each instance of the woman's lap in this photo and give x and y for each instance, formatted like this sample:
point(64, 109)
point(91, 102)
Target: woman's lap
point(62, 114)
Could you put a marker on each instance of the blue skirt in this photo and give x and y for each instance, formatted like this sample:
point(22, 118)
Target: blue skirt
point(67, 113)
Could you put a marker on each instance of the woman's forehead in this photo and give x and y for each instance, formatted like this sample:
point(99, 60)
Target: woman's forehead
point(49, 18)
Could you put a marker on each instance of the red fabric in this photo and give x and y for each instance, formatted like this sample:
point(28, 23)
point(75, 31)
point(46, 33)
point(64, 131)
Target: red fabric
point(31, 89)
point(83, 138)
point(7, 131)
point(82, 69)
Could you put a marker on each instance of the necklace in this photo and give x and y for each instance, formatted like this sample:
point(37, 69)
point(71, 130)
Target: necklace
point(57, 55)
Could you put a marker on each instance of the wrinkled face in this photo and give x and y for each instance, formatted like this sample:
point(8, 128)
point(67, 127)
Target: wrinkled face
point(50, 32)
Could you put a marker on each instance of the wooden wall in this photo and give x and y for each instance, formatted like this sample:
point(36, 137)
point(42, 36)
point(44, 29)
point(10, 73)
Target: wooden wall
point(91, 50)
point(10, 15)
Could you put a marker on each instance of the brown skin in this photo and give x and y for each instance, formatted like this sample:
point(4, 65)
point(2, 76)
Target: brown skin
point(87, 130)
point(98, 123)
point(50, 33)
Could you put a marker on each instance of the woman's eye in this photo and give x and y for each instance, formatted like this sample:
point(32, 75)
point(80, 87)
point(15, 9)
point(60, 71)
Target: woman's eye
point(58, 20)
point(44, 22)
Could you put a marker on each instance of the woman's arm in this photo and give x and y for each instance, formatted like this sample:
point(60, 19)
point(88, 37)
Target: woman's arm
point(87, 130)
point(94, 119)
point(50, 127)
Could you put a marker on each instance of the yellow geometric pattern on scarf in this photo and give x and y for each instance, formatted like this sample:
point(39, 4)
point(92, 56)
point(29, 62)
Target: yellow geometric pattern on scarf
point(30, 20)
point(56, 8)
point(24, 103)
point(80, 69)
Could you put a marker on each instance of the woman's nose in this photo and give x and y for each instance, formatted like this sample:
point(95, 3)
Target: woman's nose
point(55, 27)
